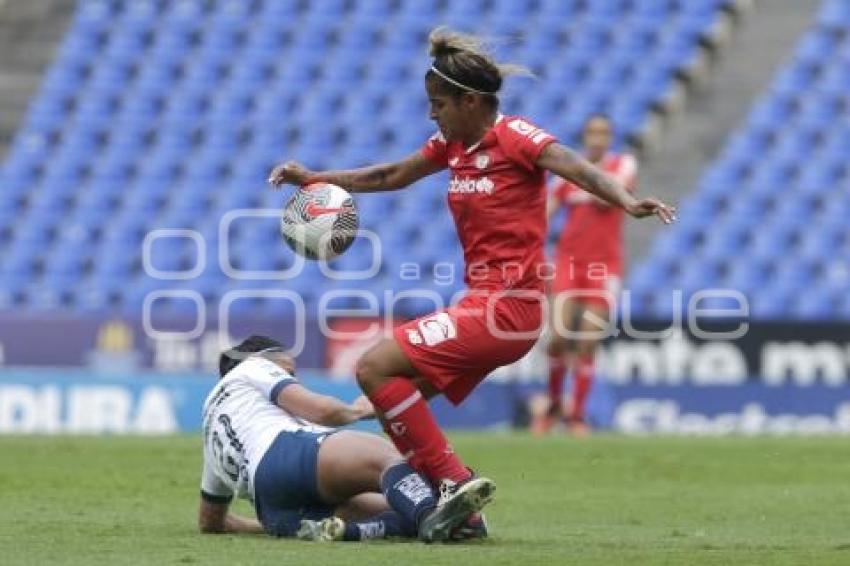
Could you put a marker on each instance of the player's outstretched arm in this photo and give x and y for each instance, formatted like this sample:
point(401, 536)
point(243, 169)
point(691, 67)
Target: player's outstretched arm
point(566, 163)
point(322, 409)
point(375, 178)
point(214, 518)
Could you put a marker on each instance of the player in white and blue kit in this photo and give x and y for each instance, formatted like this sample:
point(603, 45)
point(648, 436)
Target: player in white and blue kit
point(270, 440)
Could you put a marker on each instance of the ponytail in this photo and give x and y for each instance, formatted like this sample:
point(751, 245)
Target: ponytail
point(463, 64)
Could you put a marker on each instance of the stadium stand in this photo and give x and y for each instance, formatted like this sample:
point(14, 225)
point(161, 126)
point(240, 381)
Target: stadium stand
point(169, 115)
point(769, 216)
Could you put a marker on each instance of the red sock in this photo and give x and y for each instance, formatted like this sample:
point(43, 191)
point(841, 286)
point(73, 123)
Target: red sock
point(557, 371)
point(409, 423)
point(400, 442)
point(582, 385)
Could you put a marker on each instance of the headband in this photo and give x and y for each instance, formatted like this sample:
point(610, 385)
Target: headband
point(460, 85)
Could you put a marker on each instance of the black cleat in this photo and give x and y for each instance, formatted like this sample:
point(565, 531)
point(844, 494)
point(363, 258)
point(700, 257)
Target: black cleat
point(474, 527)
point(458, 501)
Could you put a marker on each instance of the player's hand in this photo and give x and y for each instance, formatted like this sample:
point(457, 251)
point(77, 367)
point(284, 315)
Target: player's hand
point(363, 407)
point(652, 206)
point(291, 172)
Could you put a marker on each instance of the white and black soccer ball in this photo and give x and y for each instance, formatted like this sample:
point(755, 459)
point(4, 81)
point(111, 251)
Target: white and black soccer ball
point(320, 221)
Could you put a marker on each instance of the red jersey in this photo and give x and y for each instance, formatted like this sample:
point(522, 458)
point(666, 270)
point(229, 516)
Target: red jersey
point(594, 231)
point(497, 196)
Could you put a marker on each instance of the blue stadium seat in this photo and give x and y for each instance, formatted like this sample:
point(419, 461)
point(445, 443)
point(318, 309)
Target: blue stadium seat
point(786, 168)
point(171, 114)
point(834, 14)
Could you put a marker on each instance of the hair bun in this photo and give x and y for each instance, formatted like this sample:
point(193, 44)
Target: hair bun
point(465, 60)
point(441, 47)
point(443, 42)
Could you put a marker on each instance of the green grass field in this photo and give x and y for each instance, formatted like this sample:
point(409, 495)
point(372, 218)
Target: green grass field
point(604, 500)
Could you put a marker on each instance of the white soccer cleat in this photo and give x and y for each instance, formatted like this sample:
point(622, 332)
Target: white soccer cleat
point(326, 530)
point(457, 502)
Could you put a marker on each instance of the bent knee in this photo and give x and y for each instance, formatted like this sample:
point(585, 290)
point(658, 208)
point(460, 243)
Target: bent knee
point(586, 347)
point(368, 372)
point(557, 346)
point(380, 364)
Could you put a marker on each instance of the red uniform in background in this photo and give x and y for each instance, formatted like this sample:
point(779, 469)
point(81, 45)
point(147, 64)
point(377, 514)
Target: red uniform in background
point(589, 267)
point(589, 254)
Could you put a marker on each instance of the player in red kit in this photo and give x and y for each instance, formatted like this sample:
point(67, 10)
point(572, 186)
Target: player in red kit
point(588, 275)
point(497, 197)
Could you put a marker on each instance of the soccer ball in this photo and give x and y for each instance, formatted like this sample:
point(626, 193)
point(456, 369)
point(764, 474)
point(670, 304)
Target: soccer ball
point(320, 221)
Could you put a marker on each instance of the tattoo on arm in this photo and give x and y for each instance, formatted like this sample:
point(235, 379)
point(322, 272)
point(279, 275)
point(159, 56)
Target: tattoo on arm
point(364, 180)
point(359, 180)
point(377, 177)
point(383, 177)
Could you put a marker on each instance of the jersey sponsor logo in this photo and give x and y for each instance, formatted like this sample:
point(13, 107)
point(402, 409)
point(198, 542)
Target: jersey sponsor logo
point(535, 134)
point(482, 160)
point(437, 329)
point(454, 161)
point(468, 185)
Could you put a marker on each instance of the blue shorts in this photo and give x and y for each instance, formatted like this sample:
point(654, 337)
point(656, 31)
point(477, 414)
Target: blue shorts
point(286, 483)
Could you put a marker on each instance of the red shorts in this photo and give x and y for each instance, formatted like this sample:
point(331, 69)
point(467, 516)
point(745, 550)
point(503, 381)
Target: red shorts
point(456, 348)
point(596, 283)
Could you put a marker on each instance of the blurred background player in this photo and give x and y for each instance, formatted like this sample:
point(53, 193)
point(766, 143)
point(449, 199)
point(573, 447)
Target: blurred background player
point(497, 197)
point(588, 277)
